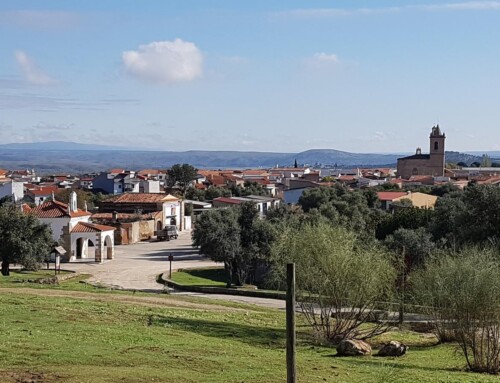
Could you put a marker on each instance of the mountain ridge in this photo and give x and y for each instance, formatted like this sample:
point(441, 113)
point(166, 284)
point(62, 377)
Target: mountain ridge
point(61, 156)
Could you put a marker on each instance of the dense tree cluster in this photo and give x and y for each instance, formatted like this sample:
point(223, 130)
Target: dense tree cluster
point(236, 237)
point(340, 240)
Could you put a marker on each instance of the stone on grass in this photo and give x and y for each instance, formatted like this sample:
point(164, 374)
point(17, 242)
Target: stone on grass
point(353, 347)
point(393, 348)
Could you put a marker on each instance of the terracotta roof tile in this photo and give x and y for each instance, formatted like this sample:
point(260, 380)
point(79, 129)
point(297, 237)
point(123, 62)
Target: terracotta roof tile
point(390, 196)
point(143, 198)
point(85, 227)
point(56, 209)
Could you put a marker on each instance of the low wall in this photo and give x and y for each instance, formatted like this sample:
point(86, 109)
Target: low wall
point(222, 290)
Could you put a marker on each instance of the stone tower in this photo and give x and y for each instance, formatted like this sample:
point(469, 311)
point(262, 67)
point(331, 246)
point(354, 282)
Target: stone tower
point(437, 152)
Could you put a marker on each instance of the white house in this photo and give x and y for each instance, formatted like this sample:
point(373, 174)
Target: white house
point(72, 227)
point(11, 188)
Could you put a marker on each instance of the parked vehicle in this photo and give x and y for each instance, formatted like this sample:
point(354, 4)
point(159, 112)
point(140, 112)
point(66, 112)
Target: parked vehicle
point(168, 233)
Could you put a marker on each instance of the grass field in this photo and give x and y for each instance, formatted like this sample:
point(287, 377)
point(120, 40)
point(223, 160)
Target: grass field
point(60, 335)
point(210, 276)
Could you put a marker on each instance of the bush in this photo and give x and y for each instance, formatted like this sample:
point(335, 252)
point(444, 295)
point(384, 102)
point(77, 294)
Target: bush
point(338, 287)
point(462, 294)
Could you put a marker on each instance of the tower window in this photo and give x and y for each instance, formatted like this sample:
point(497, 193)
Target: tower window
point(436, 145)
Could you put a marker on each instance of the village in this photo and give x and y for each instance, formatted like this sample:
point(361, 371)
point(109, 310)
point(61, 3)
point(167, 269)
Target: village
point(136, 205)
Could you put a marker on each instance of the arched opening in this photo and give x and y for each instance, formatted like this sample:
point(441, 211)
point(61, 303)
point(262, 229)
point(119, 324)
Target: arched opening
point(108, 247)
point(79, 248)
point(85, 248)
point(436, 145)
point(159, 226)
point(414, 172)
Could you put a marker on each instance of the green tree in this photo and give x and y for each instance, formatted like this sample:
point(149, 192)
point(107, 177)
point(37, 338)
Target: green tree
point(217, 236)
point(25, 240)
point(82, 197)
point(181, 175)
point(342, 206)
point(468, 217)
point(485, 161)
point(416, 244)
point(409, 218)
point(338, 286)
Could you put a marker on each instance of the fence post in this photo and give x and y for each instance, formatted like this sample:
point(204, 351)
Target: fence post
point(290, 324)
point(402, 289)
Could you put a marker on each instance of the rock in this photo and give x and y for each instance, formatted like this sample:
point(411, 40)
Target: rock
point(393, 348)
point(353, 347)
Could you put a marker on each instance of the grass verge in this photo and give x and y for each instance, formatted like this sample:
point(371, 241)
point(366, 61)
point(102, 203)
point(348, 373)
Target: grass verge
point(91, 337)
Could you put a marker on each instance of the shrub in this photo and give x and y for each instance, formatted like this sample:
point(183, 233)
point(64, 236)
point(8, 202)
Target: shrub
point(338, 286)
point(462, 294)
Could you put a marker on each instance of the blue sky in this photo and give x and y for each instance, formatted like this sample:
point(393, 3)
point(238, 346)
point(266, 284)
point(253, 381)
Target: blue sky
point(360, 76)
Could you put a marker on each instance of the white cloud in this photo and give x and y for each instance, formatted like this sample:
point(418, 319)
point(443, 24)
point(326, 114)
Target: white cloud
point(464, 6)
point(321, 61)
point(31, 72)
point(315, 13)
point(165, 61)
point(327, 58)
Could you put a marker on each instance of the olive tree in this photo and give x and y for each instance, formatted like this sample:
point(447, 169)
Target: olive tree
point(25, 240)
point(461, 292)
point(339, 287)
point(217, 235)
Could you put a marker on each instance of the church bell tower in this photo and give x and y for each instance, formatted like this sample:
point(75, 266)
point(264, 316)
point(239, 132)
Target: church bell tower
point(437, 151)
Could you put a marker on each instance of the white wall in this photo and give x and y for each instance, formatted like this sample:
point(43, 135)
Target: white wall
point(151, 186)
point(14, 189)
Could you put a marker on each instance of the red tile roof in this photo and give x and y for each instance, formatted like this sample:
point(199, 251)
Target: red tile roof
point(253, 172)
point(390, 196)
point(143, 198)
point(85, 227)
point(56, 209)
point(44, 190)
point(116, 171)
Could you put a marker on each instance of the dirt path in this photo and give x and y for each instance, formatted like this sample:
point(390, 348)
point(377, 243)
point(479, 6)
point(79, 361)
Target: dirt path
point(152, 301)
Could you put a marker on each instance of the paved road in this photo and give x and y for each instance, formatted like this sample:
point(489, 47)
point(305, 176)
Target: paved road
point(136, 266)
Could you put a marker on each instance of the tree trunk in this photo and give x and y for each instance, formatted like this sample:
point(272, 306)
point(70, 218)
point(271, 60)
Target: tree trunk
point(5, 268)
point(229, 273)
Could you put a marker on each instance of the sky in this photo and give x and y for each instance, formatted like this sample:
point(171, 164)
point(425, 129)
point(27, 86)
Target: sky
point(281, 76)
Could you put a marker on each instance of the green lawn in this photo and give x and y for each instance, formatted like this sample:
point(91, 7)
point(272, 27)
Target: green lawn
point(213, 276)
point(57, 335)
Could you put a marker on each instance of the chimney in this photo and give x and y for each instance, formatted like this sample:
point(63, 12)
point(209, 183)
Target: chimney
point(115, 216)
point(85, 206)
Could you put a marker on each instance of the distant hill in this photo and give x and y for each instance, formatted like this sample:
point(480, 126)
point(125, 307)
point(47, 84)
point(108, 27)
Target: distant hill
point(59, 145)
point(58, 156)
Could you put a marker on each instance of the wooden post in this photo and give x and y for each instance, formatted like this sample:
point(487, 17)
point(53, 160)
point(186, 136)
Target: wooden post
point(170, 258)
point(291, 373)
point(401, 318)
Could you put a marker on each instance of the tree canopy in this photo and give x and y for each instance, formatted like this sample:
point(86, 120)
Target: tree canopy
point(25, 240)
point(181, 175)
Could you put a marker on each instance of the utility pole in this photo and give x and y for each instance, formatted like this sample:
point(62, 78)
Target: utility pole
point(291, 373)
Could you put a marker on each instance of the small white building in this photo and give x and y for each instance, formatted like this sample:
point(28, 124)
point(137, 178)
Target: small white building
point(149, 186)
point(10, 188)
point(72, 227)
